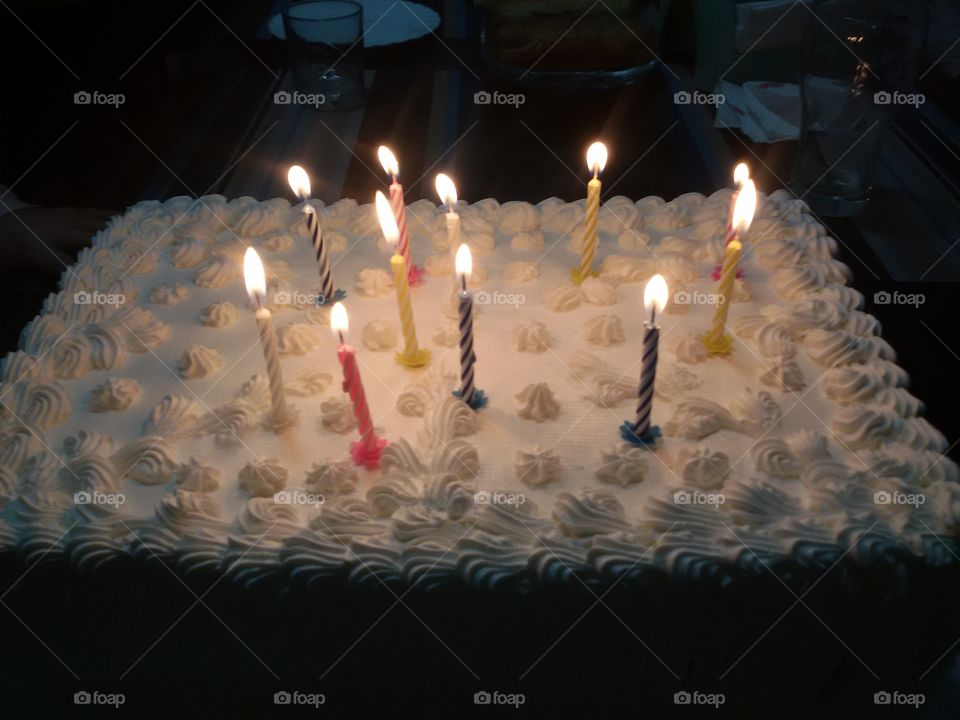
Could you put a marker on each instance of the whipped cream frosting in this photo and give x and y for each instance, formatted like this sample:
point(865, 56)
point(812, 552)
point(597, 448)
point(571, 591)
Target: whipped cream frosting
point(168, 404)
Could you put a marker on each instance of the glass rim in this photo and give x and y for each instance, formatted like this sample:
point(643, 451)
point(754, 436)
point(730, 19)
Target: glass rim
point(355, 8)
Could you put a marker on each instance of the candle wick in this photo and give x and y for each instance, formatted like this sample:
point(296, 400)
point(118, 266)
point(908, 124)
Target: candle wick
point(340, 333)
point(463, 282)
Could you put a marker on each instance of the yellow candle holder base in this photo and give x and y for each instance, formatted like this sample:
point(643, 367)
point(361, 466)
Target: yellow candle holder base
point(723, 346)
point(416, 359)
point(578, 278)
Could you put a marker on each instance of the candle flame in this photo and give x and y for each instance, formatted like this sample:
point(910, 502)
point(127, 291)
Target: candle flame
point(447, 191)
point(388, 223)
point(741, 173)
point(339, 322)
point(254, 276)
point(597, 157)
point(389, 161)
point(655, 294)
point(299, 181)
point(746, 206)
point(464, 261)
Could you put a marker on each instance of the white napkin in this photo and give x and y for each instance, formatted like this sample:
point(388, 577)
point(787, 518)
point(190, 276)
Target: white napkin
point(766, 112)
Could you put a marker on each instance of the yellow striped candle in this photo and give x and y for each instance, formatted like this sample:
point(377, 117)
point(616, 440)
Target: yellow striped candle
point(717, 341)
point(412, 355)
point(724, 294)
point(596, 160)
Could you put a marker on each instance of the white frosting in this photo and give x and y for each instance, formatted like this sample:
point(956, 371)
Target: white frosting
point(521, 271)
point(114, 394)
point(531, 336)
point(374, 281)
point(219, 314)
point(597, 291)
point(337, 414)
point(199, 497)
point(537, 402)
point(528, 241)
point(216, 272)
point(263, 477)
point(169, 294)
point(563, 298)
point(189, 253)
point(703, 467)
point(197, 477)
point(605, 330)
point(379, 335)
point(623, 466)
point(297, 339)
point(199, 362)
point(537, 467)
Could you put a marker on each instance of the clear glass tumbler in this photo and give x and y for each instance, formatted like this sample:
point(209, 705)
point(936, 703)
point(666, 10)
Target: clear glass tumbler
point(860, 59)
point(325, 40)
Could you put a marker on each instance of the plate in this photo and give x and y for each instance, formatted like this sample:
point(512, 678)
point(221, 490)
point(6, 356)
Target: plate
point(385, 22)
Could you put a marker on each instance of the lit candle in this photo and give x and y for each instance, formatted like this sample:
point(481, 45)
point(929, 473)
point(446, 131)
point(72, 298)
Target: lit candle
point(640, 432)
point(448, 196)
point(397, 205)
point(717, 341)
point(413, 355)
point(300, 184)
point(366, 451)
point(741, 173)
point(468, 358)
point(254, 278)
point(596, 160)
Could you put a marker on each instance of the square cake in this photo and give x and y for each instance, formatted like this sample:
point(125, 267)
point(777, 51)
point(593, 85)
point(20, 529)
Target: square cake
point(135, 414)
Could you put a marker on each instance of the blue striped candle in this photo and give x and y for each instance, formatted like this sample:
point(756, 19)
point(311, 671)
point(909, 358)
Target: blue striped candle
point(640, 431)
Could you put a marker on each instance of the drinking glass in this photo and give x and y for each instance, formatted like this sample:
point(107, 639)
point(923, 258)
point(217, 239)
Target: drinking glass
point(859, 61)
point(325, 39)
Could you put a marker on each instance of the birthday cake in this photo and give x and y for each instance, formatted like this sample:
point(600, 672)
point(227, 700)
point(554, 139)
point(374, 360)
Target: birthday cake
point(136, 412)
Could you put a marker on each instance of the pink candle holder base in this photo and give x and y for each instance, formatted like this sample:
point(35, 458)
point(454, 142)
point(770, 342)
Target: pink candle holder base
point(415, 275)
point(367, 454)
point(718, 271)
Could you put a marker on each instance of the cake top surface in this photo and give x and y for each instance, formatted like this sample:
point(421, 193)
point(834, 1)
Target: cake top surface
point(135, 416)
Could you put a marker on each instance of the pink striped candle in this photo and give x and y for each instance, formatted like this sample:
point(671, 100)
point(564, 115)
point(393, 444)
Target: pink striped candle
point(398, 206)
point(366, 451)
